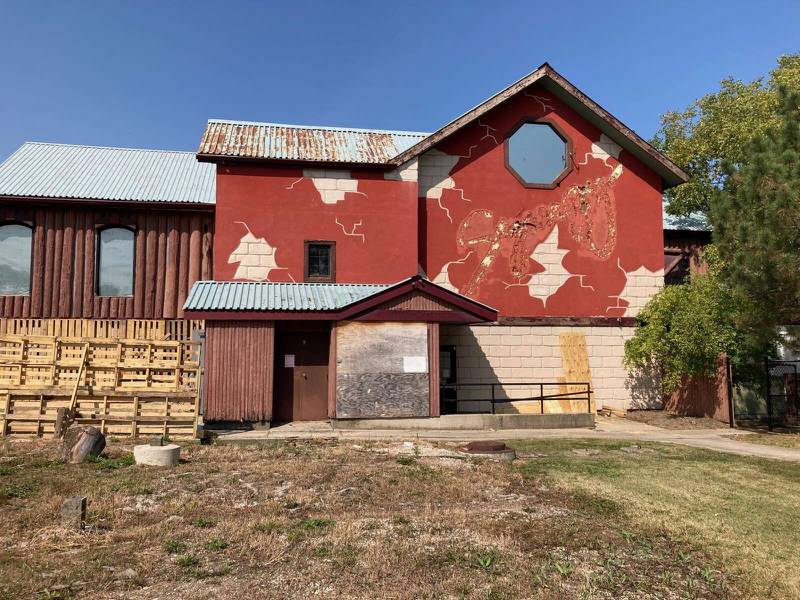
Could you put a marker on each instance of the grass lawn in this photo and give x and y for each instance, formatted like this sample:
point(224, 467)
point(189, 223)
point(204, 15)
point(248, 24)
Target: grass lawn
point(569, 519)
point(782, 440)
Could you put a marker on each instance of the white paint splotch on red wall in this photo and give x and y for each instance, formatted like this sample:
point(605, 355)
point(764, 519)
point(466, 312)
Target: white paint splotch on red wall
point(255, 257)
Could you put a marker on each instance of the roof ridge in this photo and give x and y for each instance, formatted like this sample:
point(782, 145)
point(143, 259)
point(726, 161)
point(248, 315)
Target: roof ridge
point(35, 143)
point(325, 127)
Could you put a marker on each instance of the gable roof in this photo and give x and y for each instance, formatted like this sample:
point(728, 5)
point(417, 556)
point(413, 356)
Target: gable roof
point(552, 81)
point(249, 140)
point(334, 301)
point(243, 140)
point(43, 170)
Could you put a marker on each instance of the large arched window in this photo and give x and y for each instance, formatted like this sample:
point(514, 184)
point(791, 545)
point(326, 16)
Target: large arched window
point(15, 259)
point(115, 262)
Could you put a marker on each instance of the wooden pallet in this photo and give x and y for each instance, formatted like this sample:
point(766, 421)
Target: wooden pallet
point(139, 329)
point(128, 386)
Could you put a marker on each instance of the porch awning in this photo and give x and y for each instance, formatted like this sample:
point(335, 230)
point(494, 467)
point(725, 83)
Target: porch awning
point(413, 299)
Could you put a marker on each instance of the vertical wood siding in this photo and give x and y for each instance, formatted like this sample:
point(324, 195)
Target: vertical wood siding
point(172, 250)
point(239, 357)
point(433, 367)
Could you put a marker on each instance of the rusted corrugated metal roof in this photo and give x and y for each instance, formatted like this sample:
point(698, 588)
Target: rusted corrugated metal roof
point(41, 170)
point(243, 139)
point(258, 295)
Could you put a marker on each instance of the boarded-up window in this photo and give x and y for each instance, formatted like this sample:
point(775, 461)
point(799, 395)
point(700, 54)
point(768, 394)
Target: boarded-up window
point(382, 370)
point(15, 259)
point(115, 262)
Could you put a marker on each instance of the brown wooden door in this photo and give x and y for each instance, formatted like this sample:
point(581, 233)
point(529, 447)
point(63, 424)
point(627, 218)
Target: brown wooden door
point(301, 369)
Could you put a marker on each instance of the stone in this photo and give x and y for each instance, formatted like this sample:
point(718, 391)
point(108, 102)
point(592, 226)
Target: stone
point(157, 456)
point(73, 513)
point(128, 574)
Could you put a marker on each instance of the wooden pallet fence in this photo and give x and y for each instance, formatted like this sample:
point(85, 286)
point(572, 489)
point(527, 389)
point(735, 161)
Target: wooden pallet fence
point(138, 329)
point(128, 386)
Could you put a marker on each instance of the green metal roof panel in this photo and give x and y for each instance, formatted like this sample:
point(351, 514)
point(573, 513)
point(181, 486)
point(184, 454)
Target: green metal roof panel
point(39, 170)
point(271, 296)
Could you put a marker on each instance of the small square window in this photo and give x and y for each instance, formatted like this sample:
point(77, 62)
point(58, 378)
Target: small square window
point(320, 261)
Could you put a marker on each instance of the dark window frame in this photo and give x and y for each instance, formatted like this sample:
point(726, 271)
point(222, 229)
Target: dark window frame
point(97, 250)
point(567, 154)
point(28, 225)
point(317, 279)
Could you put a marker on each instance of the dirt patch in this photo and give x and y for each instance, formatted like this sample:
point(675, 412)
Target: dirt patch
point(667, 420)
point(321, 519)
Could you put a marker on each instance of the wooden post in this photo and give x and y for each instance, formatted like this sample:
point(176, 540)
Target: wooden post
point(74, 399)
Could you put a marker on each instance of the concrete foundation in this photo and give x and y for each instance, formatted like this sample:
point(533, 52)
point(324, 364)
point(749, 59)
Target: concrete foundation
point(471, 422)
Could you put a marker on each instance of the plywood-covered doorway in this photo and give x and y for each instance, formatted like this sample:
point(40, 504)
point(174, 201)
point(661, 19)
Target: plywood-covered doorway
point(301, 371)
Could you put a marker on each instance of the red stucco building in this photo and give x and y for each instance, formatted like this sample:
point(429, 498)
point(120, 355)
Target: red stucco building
point(386, 274)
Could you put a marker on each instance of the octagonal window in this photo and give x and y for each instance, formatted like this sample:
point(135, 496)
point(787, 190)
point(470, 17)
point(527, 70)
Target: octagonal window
point(537, 154)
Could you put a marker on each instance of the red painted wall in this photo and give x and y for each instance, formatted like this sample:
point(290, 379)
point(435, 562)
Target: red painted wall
point(280, 207)
point(487, 225)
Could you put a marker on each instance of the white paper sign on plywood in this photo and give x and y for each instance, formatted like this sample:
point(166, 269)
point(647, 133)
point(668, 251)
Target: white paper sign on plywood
point(415, 364)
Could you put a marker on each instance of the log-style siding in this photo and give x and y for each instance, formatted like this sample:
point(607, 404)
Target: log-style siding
point(239, 358)
point(173, 249)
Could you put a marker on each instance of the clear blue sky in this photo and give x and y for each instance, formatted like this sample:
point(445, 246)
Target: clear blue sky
point(148, 74)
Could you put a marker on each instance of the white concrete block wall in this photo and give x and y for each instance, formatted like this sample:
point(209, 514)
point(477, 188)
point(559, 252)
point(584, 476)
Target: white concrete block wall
point(507, 353)
point(408, 171)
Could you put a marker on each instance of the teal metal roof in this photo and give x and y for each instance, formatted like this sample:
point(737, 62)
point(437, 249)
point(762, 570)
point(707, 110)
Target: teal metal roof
point(693, 222)
point(40, 170)
point(246, 139)
point(257, 295)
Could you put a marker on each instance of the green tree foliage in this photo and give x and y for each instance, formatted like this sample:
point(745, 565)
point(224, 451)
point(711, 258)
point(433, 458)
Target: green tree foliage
point(684, 328)
point(715, 129)
point(756, 223)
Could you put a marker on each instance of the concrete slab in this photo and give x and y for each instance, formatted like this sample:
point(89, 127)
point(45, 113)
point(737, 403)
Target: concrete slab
point(606, 428)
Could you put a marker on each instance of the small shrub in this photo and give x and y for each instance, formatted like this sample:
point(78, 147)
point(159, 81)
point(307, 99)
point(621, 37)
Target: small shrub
point(187, 561)
point(407, 460)
point(267, 527)
point(216, 544)
point(315, 524)
point(174, 546)
point(126, 460)
point(203, 523)
point(322, 552)
point(564, 568)
point(485, 559)
point(16, 490)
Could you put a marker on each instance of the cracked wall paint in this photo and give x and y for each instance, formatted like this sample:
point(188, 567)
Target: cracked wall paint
point(603, 149)
point(487, 248)
point(353, 229)
point(372, 219)
point(550, 257)
point(640, 285)
point(332, 185)
point(255, 256)
point(408, 171)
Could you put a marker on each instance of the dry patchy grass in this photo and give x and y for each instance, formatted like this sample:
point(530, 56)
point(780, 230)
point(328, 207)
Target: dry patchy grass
point(742, 511)
point(782, 440)
point(304, 519)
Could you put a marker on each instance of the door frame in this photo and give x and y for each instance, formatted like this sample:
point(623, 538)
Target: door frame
point(280, 409)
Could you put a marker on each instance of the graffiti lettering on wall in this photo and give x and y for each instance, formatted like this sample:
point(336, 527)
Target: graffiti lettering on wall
point(256, 257)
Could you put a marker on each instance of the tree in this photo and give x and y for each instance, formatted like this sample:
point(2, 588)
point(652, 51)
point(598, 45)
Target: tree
point(756, 222)
point(713, 131)
point(684, 328)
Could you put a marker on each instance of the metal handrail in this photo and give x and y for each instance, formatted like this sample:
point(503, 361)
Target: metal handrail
point(584, 394)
